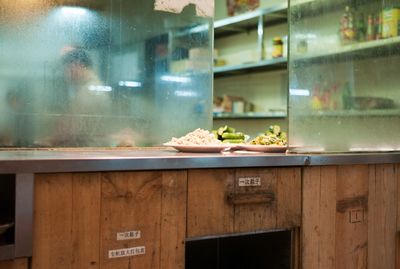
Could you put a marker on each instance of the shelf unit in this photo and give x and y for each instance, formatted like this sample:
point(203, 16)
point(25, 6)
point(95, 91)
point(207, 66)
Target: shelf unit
point(255, 20)
point(357, 79)
point(247, 21)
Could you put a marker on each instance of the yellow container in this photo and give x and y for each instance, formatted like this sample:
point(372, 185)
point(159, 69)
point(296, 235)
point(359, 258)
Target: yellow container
point(391, 22)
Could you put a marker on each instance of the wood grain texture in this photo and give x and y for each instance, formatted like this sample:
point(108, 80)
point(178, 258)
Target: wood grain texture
point(173, 223)
point(14, 264)
point(208, 212)
point(66, 224)
point(398, 216)
point(296, 245)
point(86, 220)
point(52, 238)
point(288, 197)
point(327, 224)
point(310, 217)
point(131, 202)
point(397, 175)
point(254, 217)
point(318, 219)
point(397, 250)
point(351, 216)
point(382, 204)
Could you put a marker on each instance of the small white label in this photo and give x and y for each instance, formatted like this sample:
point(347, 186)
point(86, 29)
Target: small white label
point(128, 235)
point(249, 181)
point(126, 252)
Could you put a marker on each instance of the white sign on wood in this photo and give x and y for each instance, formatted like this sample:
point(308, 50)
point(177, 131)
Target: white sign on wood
point(126, 252)
point(249, 181)
point(128, 235)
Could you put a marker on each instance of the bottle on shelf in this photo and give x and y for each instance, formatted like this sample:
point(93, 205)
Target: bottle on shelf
point(378, 26)
point(347, 101)
point(361, 28)
point(277, 47)
point(370, 29)
point(347, 28)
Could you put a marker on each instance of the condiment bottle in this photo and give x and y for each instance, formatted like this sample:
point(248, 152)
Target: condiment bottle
point(277, 47)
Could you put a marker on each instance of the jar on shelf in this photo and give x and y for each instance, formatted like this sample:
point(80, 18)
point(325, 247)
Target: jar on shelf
point(277, 47)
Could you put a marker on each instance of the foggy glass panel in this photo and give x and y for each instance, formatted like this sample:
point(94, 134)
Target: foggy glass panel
point(344, 75)
point(101, 73)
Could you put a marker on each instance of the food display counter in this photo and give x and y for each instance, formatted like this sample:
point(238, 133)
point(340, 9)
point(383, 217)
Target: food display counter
point(143, 207)
point(92, 89)
point(92, 160)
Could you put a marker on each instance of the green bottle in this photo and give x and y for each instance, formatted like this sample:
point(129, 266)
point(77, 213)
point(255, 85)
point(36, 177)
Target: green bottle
point(346, 96)
point(361, 29)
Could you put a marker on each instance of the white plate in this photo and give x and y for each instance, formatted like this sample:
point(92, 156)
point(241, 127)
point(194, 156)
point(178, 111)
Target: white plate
point(263, 148)
point(199, 148)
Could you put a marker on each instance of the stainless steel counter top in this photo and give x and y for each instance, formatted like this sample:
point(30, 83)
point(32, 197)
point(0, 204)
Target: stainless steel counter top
point(90, 160)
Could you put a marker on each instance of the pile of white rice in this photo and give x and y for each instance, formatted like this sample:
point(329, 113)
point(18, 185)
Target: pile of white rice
point(197, 137)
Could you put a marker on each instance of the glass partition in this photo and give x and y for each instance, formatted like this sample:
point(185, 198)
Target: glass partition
point(344, 75)
point(100, 73)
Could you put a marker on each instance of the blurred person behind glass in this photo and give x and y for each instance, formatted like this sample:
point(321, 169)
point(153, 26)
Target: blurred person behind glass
point(87, 103)
point(88, 115)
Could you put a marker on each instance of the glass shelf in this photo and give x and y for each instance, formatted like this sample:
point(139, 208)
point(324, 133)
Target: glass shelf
point(356, 51)
point(356, 113)
point(317, 7)
point(273, 64)
point(248, 21)
point(250, 115)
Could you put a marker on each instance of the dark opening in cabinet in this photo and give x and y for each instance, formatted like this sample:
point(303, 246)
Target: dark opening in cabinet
point(16, 212)
point(270, 250)
point(7, 209)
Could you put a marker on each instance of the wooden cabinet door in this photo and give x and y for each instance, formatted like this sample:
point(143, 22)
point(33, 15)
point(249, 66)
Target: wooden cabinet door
point(224, 201)
point(274, 196)
point(349, 217)
point(66, 221)
point(208, 212)
point(151, 203)
point(110, 220)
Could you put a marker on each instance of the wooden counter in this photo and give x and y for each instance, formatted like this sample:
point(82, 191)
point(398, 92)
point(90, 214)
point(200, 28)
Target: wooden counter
point(341, 215)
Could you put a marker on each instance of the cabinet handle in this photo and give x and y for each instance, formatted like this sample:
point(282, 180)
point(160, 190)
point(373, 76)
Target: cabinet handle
point(351, 203)
point(251, 198)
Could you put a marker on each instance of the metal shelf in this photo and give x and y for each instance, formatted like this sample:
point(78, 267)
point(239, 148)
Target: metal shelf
point(356, 51)
point(248, 21)
point(249, 115)
point(230, 70)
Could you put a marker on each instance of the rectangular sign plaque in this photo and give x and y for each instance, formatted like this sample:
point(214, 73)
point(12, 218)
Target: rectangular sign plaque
point(249, 181)
point(128, 235)
point(126, 252)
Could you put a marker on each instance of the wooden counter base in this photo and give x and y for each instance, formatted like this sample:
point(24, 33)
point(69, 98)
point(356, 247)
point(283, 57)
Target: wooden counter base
point(348, 215)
